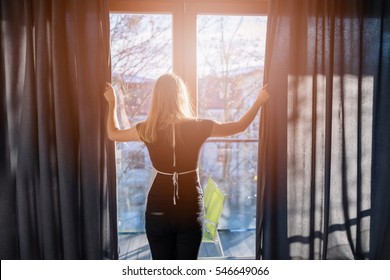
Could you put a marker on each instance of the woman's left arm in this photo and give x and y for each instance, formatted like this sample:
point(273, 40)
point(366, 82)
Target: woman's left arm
point(113, 131)
point(230, 128)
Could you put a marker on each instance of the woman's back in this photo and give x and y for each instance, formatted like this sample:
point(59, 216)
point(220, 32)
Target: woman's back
point(182, 153)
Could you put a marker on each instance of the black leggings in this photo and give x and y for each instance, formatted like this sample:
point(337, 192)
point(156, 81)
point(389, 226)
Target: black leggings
point(174, 234)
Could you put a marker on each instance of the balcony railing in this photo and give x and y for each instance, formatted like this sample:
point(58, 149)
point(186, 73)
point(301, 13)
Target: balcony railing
point(231, 162)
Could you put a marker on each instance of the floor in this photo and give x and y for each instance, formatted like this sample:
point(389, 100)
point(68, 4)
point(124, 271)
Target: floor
point(235, 244)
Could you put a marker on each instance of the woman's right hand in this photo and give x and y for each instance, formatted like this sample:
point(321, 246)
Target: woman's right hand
point(109, 93)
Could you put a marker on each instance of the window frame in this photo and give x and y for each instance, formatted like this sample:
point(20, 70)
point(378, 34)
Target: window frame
point(184, 30)
point(184, 34)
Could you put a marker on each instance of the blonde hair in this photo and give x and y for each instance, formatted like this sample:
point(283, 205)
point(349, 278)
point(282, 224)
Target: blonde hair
point(170, 104)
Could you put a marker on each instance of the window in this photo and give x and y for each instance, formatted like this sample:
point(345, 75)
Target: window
point(230, 56)
point(141, 50)
point(217, 47)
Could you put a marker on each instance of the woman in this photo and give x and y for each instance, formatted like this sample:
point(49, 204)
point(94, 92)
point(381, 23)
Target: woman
point(174, 137)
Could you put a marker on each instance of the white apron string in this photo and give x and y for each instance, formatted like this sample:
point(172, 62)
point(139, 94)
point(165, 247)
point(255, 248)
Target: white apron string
point(174, 144)
point(175, 181)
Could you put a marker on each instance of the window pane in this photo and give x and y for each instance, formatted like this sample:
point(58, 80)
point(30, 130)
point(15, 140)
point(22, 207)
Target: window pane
point(230, 55)
point(141, 50)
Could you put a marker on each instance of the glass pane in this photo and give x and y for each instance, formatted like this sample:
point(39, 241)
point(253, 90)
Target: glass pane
point(141, 50)
point(230, 55)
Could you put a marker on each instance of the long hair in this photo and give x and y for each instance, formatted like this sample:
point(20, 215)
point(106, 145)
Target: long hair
point(170, 104)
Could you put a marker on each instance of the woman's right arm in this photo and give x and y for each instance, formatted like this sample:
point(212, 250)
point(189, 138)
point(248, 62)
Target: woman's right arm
point(235, 127)
point(114, 133)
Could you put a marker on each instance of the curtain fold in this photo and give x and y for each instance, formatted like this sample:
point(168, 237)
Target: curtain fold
point(324, 186)
point(58, 197)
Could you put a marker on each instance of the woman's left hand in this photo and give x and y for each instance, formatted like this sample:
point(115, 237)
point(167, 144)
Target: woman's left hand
point(109, 93)
point(263, 96)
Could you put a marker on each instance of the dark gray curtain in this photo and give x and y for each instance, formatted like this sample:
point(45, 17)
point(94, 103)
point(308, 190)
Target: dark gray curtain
point(57, 190)
point(324, 153)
